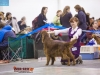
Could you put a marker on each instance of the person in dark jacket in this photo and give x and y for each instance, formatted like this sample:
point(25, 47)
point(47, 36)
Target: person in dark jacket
point(87, 16)
point(82, 20)
point(42, 17)
point(65, 17)
point(22, 23)
point(99, 23)
point(5, 32)
point(82, 17)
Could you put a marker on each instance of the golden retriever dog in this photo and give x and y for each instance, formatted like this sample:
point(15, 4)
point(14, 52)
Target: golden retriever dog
point(55, 48)
point(26, 30)
point(96, 38)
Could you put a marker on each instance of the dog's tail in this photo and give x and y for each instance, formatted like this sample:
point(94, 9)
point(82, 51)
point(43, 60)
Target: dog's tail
point(71, 43)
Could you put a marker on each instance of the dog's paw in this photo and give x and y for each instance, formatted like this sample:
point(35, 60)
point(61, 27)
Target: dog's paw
point(68, 64)
point(81, 62)
point(46, 64)
point(52, 64)
point(74, 63)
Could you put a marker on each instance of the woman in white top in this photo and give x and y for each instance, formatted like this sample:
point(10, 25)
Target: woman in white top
point(12, 22)
point(74, 32)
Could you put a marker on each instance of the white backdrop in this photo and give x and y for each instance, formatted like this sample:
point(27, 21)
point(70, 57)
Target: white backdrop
point(31, 8)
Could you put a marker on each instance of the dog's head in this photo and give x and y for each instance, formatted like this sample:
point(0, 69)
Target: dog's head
point(44, 35)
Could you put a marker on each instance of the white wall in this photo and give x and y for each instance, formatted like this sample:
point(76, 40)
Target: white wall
point(1, 8)
point(31, 8)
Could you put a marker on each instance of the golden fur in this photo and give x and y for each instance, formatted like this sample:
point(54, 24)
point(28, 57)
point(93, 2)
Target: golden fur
point(55, 48)
point(96, 38)
point(26, 30)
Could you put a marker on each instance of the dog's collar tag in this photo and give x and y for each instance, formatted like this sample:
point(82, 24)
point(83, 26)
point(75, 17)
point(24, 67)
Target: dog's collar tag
point(74, 48)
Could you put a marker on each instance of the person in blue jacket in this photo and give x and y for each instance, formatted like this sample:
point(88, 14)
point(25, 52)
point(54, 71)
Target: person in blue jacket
point(5, 32)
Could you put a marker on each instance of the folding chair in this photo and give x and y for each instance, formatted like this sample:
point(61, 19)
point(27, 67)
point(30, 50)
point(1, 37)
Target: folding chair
point(15, 47)
point(5, 54)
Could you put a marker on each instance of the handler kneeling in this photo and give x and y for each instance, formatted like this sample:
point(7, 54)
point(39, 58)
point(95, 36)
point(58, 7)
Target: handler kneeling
point(74, 32)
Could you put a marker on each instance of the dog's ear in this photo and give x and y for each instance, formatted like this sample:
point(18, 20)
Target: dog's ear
point(44, 34)
point(42, 38)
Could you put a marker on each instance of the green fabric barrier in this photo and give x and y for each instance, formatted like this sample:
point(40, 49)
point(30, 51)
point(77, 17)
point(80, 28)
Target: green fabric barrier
point(27, 47)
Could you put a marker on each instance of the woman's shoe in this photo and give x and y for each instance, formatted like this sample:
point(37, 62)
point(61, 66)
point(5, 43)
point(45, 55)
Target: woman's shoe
point(6, 61)
point(2, 62)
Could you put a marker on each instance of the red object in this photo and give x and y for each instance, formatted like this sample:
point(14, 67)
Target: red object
point(59, 34)
point(82, 44)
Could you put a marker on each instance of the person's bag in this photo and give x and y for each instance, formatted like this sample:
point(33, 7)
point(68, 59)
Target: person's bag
point(35, 23)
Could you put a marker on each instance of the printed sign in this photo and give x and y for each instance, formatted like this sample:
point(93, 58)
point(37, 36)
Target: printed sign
point(23, 70)
point(4, 2)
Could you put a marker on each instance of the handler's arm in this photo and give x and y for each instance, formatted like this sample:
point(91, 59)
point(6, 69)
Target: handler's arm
point(56, 32)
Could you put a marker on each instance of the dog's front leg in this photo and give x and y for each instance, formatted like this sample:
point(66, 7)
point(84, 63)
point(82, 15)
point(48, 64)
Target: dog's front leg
point(53, 59)
point(48, 60)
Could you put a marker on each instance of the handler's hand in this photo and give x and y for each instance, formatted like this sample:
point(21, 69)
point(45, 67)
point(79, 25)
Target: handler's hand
point(73, 38)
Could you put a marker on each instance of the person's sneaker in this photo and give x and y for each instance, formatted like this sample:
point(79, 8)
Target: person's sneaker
point(2, 62)
point(77, 61)
point(80, 59)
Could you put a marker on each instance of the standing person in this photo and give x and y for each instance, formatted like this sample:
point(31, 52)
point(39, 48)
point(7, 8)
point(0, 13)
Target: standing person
point(99, 23)
point(12, 22)
point(65, 17)
point(39, 21)
point(22, 23)
point(82, 17)
point(87, 16)
point(56, 19)
point(2, 19)
point(91, 21)
point(42, 17)
point(82, 20)
point(74, 32)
